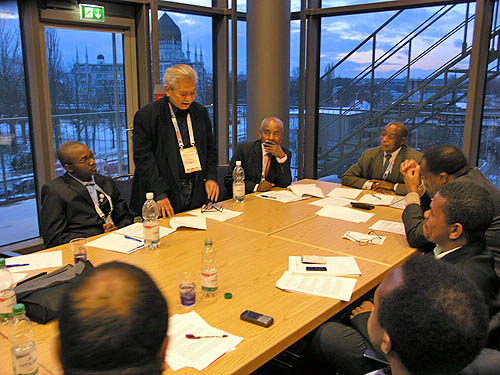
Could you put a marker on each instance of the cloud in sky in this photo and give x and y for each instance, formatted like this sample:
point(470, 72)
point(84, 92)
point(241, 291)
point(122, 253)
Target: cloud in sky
point(7, 16)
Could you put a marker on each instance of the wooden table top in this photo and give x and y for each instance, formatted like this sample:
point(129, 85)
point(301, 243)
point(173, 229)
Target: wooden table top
point(252, 254)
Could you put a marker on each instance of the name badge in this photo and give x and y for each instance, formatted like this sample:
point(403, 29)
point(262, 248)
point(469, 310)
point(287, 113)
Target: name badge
point(190, 159)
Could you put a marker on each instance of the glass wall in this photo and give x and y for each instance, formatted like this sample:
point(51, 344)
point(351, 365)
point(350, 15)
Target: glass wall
point(409, 65)
point(17, 178)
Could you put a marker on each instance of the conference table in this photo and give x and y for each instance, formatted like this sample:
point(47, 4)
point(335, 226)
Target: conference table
point(252, 254)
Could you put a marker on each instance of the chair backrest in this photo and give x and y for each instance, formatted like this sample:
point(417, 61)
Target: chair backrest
point(222, 170)
point(124, 185)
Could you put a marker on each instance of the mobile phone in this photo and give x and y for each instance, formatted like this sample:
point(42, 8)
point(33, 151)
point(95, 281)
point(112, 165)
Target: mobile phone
point(256, 318)
point(364, 206)
point(316, 268)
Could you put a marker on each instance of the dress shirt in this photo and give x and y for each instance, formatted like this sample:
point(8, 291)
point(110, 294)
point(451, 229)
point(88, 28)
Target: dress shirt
point(368, 184)
point(265, 158)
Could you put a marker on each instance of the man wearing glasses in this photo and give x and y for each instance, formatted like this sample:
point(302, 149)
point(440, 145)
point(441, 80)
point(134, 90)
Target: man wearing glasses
point(81, 203)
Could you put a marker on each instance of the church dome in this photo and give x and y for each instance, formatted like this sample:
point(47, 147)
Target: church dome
point(168, 30)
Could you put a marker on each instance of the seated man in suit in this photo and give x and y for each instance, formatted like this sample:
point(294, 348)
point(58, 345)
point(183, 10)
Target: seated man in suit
point(441, 165)
point(265, 162)
point(427, 319)
point(113, 321)
point(378, 167)
point(459, 215)
point(81, 203)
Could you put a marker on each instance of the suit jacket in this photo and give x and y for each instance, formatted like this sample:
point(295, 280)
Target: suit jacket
point(250, 154)
point(158, 165)
point(370, 166)
point(68, 211)
point(413, 218)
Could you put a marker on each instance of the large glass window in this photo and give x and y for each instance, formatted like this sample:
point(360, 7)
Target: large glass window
point(17, 180)
point(87, 94)
point(409, 65)
point(294, 93)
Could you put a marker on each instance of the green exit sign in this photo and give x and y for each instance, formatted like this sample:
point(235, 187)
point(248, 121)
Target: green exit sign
point(91, 12)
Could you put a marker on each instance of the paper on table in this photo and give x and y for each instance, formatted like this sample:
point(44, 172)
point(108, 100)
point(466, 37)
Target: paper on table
point(306, 189)
point(36, 261)
point(325, 286)
point(18, 276)
point(283, 196)
point(336, 266)
point(377, 199)
point(331, 201)
point(344, 213)
point(136, 230)
point(398, 202)
point(389, 226)
point(216, 215)
point(359, 237)
point(189, 222)
point(344, 193)
point(197, 353)
point(117, 242)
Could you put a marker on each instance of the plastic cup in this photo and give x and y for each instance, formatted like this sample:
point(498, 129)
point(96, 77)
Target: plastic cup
point(187, 289)
point(79, 249)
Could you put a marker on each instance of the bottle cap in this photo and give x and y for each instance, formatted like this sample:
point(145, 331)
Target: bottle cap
point(208, 242)
point(2, 262)
point(238, 163)
point(150, 195)
point(228, 295)
point(19, 309)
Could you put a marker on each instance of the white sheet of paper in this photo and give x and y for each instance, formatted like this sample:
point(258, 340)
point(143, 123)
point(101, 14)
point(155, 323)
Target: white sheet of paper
point(325, 286)
point(344, 213)
point(357, 236)
point(216, 215)
point(283, 196)
point(18, 276)
point(377, 199)
point(306, 189)
point(136, 230)
point(336, 266)
point(195, 222)
point(389, 226)
point(331, 201)
point(398, 202)
point(36, 261)
point(196, 353)
point(344, 193)
point(117, 242)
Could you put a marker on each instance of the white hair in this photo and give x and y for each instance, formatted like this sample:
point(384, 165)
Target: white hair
point(267, 119)
point(178, 72)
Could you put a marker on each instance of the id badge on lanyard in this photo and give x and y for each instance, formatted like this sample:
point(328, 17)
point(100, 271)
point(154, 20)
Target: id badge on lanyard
point(189, 156)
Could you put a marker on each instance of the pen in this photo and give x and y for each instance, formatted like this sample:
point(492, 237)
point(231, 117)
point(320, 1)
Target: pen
point(17, 265)
point(267, 196)
point(191, 336)
point(376, 197)
point(132, 238)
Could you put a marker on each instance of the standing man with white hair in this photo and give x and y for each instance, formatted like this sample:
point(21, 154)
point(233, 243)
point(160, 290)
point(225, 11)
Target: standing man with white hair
point(174, 151)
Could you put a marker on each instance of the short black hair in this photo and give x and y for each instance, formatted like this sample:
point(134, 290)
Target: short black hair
point(121, 329)
point(437, 318)
point(401, 126)
point(444, 158)
point(469, 204)
point(63, 150)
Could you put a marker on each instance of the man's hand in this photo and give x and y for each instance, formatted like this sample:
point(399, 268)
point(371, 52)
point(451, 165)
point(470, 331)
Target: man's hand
point(265, 186)
point(212, 189)
point(382, 186)
point(273, 148)
point(411, 174)
point(109, 227)
point(366, 306)
point(165, 208)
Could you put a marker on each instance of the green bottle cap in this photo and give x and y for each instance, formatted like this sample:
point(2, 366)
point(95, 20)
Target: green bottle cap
point(2, 262)
point(19, 309)
point(208, 242)
point(228, 295)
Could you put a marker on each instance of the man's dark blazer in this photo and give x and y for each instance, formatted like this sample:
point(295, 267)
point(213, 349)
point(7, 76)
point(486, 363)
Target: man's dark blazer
point(250, 154)
point(370, 167)
point(413, 218)
point(68, 211)
point(158, 164)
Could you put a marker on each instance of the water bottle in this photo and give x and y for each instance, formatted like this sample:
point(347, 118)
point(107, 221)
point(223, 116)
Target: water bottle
point(24, 358)
point(209, 284)
point(238, 183)
point(7, 294)
point(150, 223)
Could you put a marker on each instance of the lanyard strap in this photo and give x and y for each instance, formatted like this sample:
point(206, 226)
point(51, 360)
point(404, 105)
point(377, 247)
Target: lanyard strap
point(389, 168)
point(178, 132)
point(98, 208)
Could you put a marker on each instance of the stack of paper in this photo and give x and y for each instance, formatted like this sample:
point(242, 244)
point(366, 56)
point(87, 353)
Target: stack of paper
point(136, 230)
point(389, 226)
point(283, 196)
point(344, 193)
point(331, 201)
point(117, 242)
point(306, 189)
point(196, 353)
point(34, 261)
point(344, 213)
point(188, 222)
point(215, 215)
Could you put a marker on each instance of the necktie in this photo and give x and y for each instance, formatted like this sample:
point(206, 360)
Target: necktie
point(104, 204)
point(268, 165)
point(386, 162)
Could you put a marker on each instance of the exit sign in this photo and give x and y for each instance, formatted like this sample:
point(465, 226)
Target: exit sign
point(91, 12)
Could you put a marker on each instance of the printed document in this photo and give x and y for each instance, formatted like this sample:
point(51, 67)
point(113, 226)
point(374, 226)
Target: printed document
point(188, 222)
point(389, 226)
point(196, 353)
point(344, 213)
point(35, 261)
point(136, 230)
point(398, 202)
point(215, 215)
point(331, 201)
point(345, 193)
point(283, 196)
point(306, 189)
point(377, 199)
point(117, 242)
point(325, 286)
point(334, 266)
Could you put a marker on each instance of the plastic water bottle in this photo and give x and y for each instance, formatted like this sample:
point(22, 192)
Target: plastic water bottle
point(150, 223)
point(238, 183)
point(7, 294)
point(209, 283)
point(24, 358)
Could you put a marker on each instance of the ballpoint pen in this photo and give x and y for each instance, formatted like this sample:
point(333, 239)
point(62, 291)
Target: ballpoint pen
point(132, 238)
point(191, 336)
point(267, 196)
point(17, 265)
point(376, 197)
